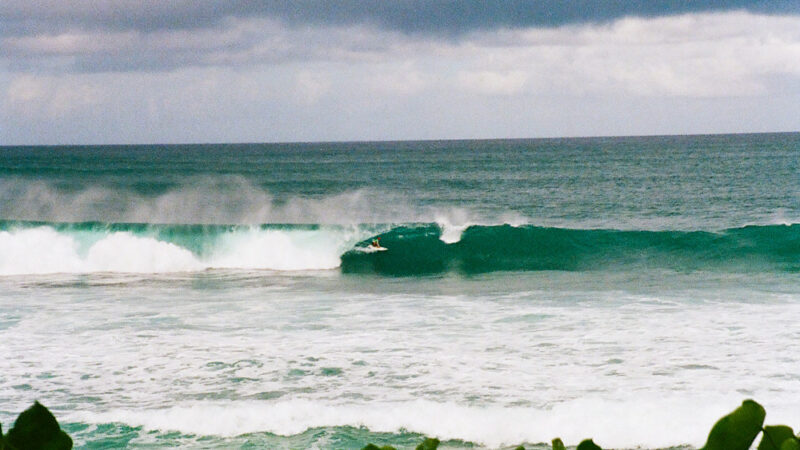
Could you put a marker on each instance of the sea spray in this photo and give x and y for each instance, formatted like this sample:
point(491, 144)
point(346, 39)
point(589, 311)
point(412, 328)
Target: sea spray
point(452, 224)
point(216, 200)
point(283, 249)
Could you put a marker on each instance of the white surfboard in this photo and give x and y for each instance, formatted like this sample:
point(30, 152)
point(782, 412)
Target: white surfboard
point(371, 249)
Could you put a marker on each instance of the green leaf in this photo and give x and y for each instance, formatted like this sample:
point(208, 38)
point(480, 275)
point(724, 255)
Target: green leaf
point(773, 437)
point(428, 444)
point(791, 444)
point(588, 444)
point(375, 447)
point(737, 430)
point(37, 428)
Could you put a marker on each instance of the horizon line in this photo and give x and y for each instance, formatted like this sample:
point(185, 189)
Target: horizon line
point(376, 141)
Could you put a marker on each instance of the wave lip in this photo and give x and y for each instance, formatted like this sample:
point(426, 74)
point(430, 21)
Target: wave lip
point(420, 250)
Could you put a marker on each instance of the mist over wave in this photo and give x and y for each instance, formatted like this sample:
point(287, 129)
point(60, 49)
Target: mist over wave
point(234, 199)
point(215, 200)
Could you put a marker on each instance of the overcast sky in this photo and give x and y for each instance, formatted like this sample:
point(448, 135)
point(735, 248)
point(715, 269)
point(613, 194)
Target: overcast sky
point(155, 71)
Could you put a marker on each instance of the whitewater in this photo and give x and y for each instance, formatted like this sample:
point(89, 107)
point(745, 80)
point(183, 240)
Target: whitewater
point(631, 290)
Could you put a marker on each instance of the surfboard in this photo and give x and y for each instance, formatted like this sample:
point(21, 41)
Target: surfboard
point(371, 249)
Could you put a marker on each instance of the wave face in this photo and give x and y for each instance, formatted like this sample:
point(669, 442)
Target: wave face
point(481, 249)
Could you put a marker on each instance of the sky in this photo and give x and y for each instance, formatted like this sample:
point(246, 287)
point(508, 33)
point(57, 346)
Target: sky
point(200, 71)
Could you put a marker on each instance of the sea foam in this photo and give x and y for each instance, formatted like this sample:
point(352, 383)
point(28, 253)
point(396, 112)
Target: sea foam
point(649, 423)
point(281, 250)
point(43, 250)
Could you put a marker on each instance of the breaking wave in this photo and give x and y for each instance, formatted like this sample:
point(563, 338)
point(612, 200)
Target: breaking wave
point(414, 249)
point(39, 248)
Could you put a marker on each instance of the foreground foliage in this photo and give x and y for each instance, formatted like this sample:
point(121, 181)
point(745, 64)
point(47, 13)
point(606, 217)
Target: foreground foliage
point(35, 429)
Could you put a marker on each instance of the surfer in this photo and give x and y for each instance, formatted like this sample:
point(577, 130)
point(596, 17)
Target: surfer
point(376, 242)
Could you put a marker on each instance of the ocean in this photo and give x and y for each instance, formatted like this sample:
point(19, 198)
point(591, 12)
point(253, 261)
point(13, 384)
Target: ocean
point(631, 290)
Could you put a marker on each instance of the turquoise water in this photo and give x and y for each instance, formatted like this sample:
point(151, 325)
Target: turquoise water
point(226, 296)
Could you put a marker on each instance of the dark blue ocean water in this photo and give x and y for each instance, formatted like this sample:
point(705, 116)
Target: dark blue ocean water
point(226, 296)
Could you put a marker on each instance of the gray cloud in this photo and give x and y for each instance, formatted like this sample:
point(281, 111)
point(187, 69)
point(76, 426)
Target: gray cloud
point(240, 42)
point(445, 17)
point(151, 35)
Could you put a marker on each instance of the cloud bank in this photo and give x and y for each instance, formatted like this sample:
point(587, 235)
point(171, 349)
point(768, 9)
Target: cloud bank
point(179, 71)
